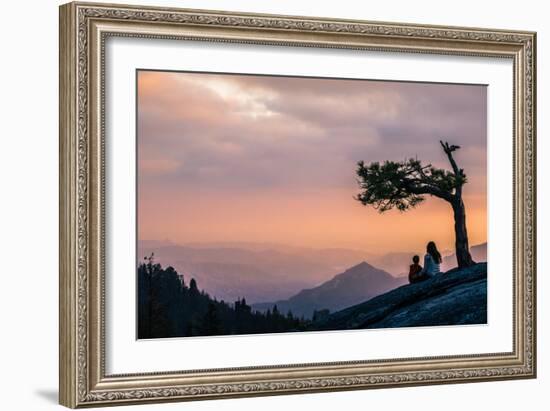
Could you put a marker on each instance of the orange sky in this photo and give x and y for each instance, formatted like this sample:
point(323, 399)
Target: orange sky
point(272, 159)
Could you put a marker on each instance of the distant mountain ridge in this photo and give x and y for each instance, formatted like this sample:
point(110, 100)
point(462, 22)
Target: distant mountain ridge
point(397, 263)
point(478, 253)
point(263, 272)
point(358, 283)
point(258, 273)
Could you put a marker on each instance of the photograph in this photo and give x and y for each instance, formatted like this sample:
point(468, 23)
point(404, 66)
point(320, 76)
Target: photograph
point(282, 204)
point(265, 202)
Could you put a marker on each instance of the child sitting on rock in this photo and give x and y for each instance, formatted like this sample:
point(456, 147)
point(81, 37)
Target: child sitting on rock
point(414, 271)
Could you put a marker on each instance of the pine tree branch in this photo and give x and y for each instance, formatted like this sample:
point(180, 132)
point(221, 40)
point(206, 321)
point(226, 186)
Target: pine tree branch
point(429, 189)
point(449, 151)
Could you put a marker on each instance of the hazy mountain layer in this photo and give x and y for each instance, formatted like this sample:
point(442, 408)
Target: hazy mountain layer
point(354, 285)
point(398, 263)
point(272, 272)
point(259, 274)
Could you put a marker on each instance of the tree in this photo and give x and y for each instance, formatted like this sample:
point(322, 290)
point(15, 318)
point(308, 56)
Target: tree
point(404, 185)
point(168, 308)
point(193, 287)
point(211, 324)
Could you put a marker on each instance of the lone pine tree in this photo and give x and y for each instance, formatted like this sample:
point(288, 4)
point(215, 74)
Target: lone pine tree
point(403, 185)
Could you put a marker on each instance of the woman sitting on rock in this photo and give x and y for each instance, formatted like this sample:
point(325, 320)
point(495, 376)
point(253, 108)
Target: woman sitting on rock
point(432, 261)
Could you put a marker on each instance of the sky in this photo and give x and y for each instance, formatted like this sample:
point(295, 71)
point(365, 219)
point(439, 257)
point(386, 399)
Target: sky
point(270, 159)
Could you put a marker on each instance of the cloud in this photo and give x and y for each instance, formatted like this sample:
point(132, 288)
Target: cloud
point(232, 135)
point(158, 166)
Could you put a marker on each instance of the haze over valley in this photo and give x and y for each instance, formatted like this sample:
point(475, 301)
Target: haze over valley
point(295, 278)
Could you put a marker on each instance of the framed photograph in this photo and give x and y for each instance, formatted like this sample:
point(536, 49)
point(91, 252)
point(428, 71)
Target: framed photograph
point(259, 204)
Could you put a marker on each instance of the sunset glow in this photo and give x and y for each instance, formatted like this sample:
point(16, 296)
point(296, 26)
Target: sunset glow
point(265, 159)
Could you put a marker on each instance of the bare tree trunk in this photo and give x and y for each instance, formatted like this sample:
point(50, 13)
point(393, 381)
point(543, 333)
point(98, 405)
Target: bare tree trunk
point(463, 257)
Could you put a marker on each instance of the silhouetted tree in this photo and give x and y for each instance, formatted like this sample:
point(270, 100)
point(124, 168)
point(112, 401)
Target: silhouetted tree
point(193, 286)
point(168, 308)
point(211, 324)
point(403, 185)
point(320, 314)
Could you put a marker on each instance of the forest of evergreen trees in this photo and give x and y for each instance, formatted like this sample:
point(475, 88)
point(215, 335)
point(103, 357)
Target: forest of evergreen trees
point(167, 307)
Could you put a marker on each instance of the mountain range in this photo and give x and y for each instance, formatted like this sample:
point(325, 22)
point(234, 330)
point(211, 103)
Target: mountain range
point(269, 273)
point(397, 263)
point(356, 284)
point(259, 272)
point(478, 253)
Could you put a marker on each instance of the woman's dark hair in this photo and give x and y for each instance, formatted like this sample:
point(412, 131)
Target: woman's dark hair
point(416, 259)
point(432, 250)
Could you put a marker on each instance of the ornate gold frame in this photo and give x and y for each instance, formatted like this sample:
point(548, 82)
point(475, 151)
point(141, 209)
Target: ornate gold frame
point(83, 30)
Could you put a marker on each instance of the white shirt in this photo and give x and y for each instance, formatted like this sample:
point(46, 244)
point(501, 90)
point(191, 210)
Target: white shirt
point(431, 268)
